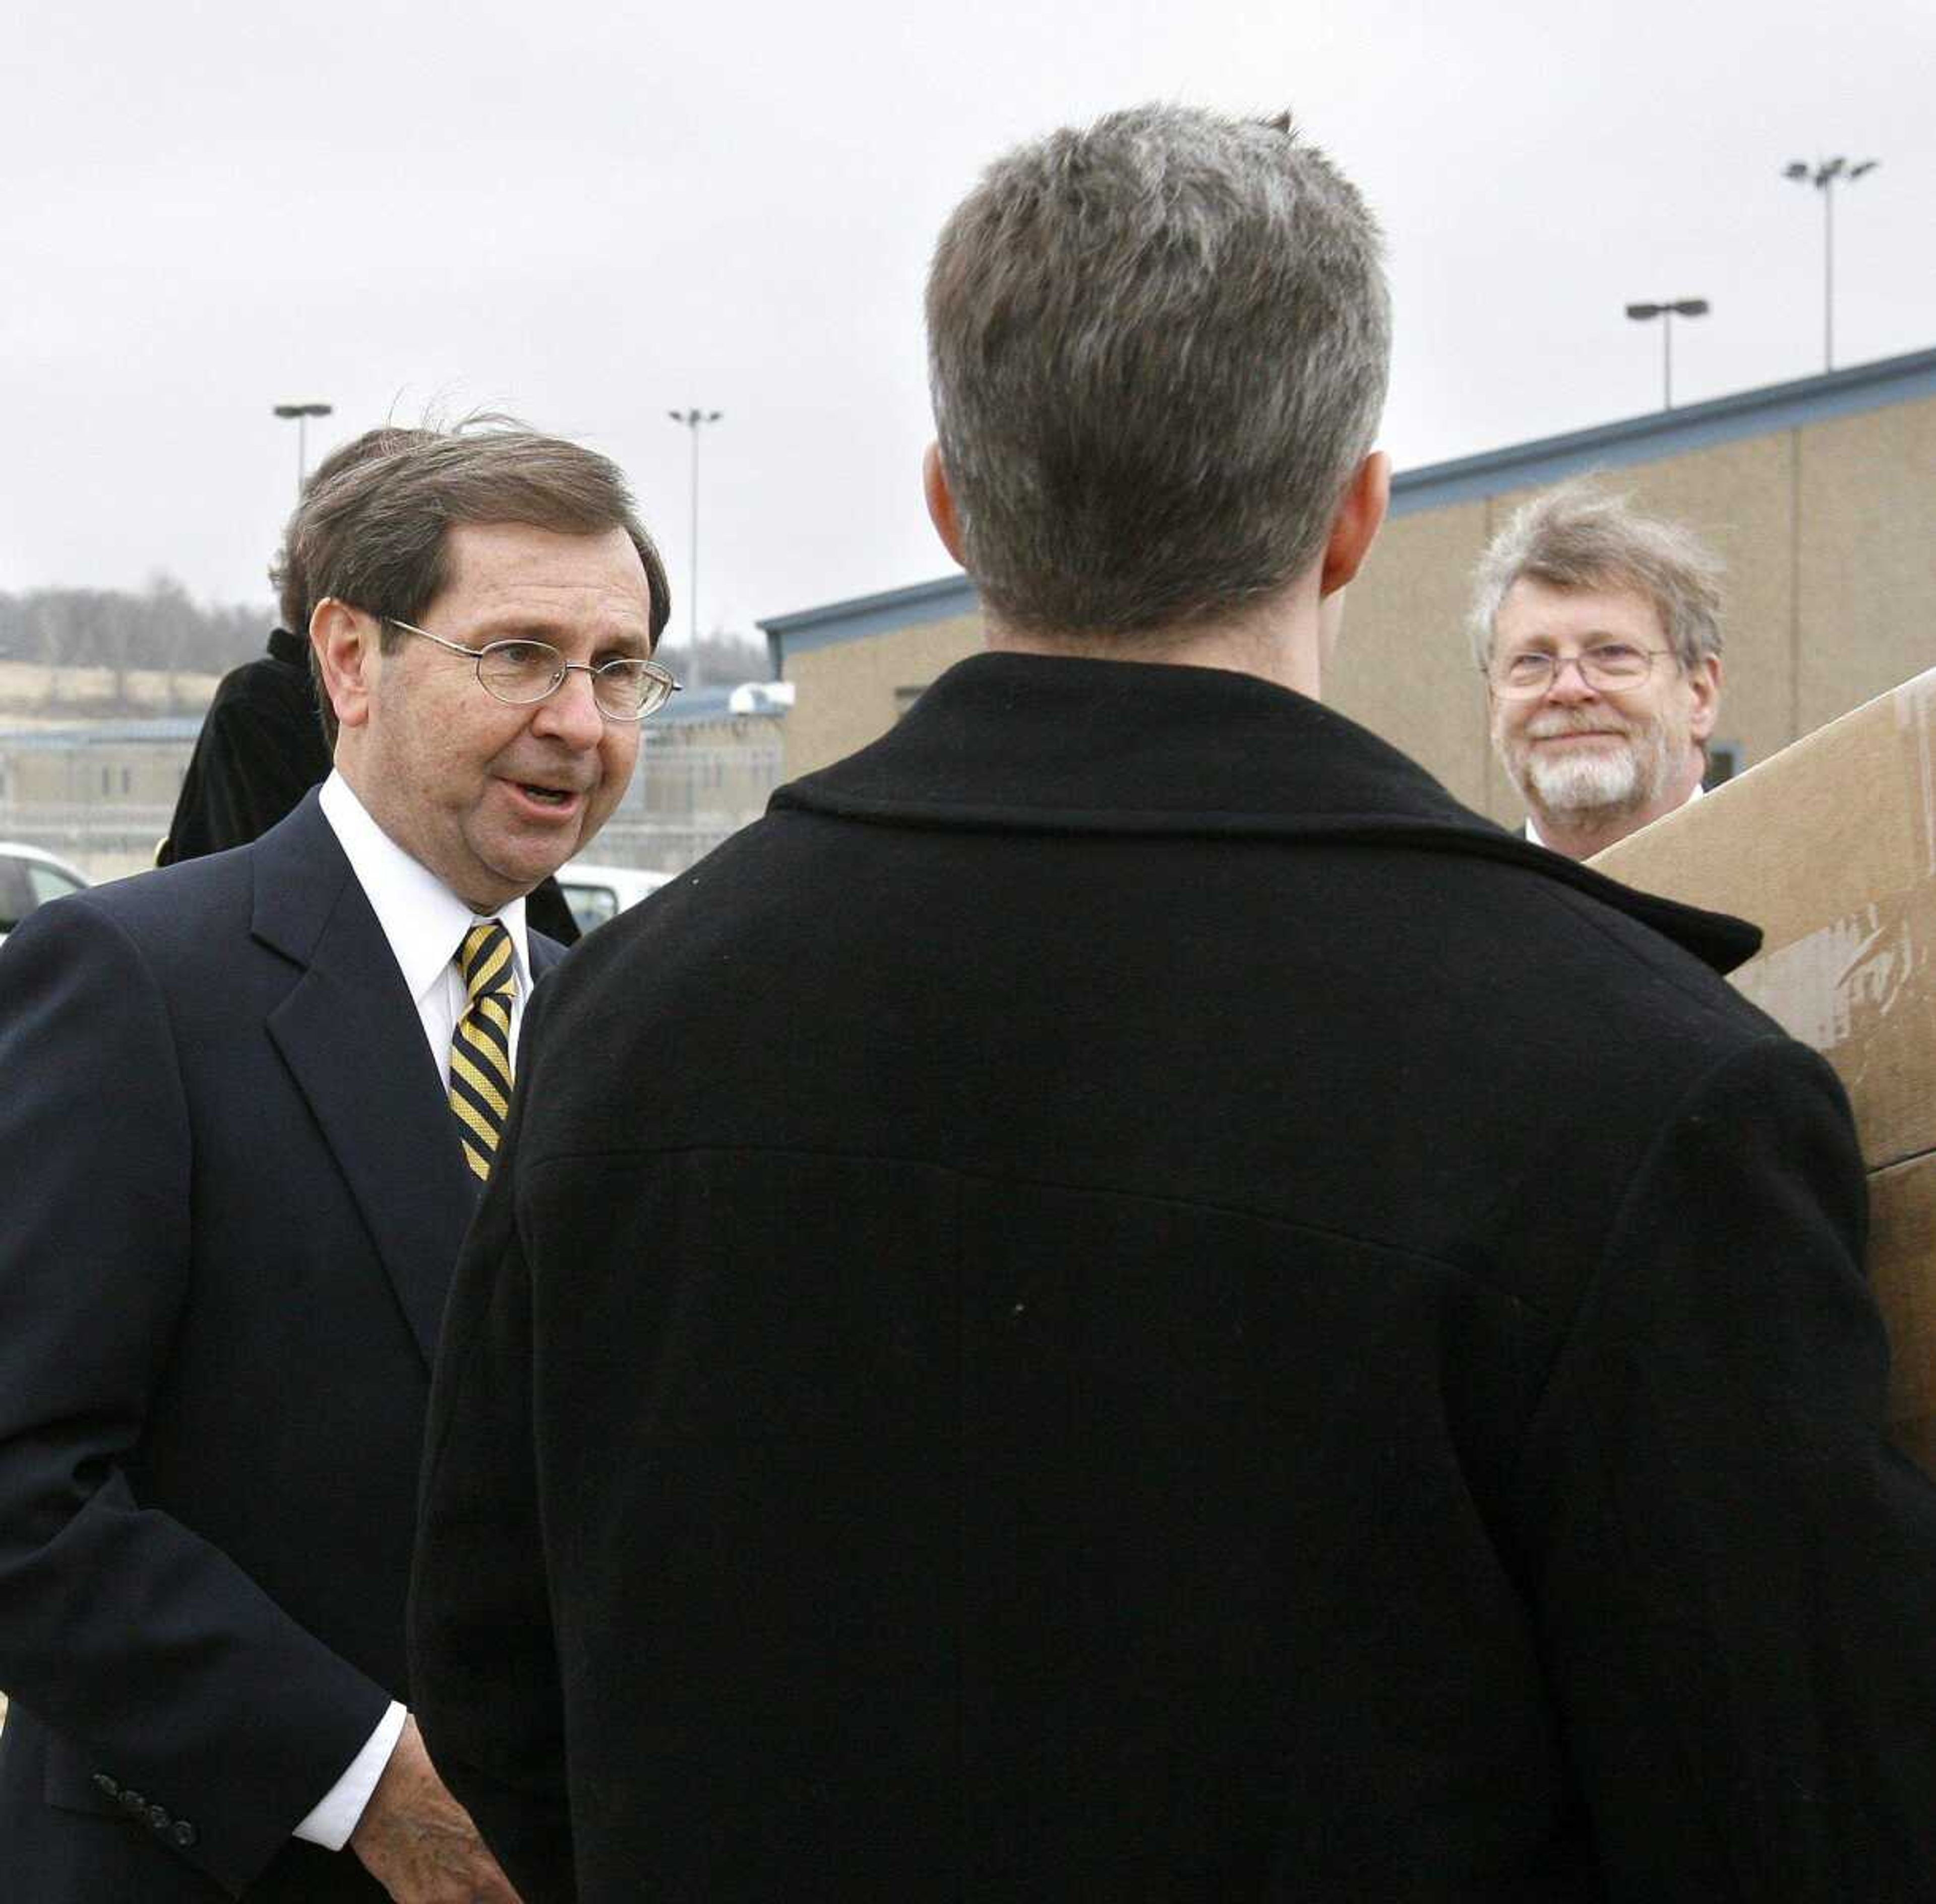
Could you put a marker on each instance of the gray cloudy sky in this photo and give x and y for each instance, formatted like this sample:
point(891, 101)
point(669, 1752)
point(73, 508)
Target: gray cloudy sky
point(588, 215)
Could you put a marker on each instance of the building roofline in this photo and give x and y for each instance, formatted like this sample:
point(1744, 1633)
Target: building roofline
point(1647, 438)
point(901, 600)
point(1768, 407)
point(161, 729)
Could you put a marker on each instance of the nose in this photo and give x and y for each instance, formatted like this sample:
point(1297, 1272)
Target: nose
point(1569, 682)
point(569, 713)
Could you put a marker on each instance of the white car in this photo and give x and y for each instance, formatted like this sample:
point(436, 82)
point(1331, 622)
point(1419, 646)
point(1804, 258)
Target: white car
point(596, 893)
point(28, 877)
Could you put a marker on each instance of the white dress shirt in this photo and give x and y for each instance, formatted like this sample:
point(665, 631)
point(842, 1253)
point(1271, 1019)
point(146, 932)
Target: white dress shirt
point(425, 922)
point(1533, 831)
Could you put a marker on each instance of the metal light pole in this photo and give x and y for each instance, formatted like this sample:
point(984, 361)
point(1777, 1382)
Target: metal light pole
point(1822, 177)
point(693, 420)
point(302, 412)
point(1667, 314)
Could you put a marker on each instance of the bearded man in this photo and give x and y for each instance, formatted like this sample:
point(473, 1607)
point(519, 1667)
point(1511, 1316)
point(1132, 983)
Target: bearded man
point(1599, 632)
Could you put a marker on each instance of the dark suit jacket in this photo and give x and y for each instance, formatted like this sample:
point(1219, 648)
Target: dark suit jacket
point(1121, 1300)
point(234, 1199)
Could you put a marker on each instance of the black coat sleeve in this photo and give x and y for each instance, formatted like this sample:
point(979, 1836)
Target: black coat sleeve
point(484, 1672)
point(261, 749)
point(147, 1650)
point(1735, 1573)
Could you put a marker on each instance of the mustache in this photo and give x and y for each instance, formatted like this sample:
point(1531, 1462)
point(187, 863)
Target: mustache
point(1558, 721)
point(571, 777)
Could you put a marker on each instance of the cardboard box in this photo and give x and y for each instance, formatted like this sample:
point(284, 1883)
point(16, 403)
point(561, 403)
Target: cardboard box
point(1830, 847)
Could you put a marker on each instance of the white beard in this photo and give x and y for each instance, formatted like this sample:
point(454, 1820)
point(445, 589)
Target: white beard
point(1601, 782)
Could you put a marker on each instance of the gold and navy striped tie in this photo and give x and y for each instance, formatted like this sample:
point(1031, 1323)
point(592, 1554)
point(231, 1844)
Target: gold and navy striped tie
point(480, 1052)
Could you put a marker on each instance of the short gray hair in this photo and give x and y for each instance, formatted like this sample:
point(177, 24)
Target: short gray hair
point(1579, 536)
point(1158, 351)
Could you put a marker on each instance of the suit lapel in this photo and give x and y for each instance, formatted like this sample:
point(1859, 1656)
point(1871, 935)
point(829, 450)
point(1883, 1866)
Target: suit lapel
point(353, 1043)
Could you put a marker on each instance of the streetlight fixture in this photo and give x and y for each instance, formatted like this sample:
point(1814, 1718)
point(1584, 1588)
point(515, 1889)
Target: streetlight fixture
point(1822, 176)
point(693, 420)
point(302, 412)
point(1667, 314)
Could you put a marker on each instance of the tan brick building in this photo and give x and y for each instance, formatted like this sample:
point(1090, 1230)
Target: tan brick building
point(1820, 494)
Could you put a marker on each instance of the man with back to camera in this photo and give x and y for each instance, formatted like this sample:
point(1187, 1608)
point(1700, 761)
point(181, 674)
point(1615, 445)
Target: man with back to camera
point(1599, 632)
point(266, 739)
point(251, 1100)
point(1062, 1318)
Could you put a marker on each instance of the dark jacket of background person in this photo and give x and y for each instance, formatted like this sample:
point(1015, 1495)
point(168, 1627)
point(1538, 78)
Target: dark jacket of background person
point(261, 749)
point(229, 1233)
point(1122, 1300)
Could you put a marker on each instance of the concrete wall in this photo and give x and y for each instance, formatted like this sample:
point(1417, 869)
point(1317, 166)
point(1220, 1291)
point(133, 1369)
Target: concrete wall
point(138, 773)
point(851, 692)
point(1865, 588)
point(1401, 666)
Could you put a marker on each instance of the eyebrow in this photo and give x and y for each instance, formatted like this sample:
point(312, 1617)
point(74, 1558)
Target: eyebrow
point(540, 627)
point(1592, 635)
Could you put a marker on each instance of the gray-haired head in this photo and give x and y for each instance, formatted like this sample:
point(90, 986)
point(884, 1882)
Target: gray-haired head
point(1577, 535)
point(372, 532)
point(1158, 351)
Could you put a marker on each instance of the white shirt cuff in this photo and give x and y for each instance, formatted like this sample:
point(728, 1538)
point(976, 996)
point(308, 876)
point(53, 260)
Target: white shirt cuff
point(332, 1821)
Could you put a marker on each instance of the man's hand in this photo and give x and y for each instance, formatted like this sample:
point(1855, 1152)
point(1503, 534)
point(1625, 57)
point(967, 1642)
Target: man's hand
point(418, 1842)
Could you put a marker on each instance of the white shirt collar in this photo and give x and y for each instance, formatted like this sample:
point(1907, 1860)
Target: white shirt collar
point(424, 920)
point(1532, 826)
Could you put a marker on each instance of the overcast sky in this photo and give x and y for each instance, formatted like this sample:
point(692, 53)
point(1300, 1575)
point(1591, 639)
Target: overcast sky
point(588, 215)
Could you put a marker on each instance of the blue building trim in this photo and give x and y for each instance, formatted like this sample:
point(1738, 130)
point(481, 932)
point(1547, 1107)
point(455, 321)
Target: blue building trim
point(1649, 439)
point(867, 615)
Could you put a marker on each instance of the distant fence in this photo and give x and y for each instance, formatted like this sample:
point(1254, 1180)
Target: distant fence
point(104, 842)
point(107, 842)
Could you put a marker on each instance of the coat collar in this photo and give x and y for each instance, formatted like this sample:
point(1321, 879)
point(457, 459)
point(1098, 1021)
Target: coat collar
point(1037, 743)
point(350, 1036)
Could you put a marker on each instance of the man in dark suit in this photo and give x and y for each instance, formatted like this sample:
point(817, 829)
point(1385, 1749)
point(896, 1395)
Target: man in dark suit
point(265, 741)
point(250, 1100)
point(1120, 1300)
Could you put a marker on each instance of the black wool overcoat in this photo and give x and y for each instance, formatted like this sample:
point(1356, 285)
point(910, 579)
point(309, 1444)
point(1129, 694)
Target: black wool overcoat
point(1121, 1300)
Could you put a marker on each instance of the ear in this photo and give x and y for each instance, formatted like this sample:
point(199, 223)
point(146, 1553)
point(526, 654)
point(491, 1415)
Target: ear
point(1703, 683)
point(1361, 511)
point(347, 646)
point(941, 502)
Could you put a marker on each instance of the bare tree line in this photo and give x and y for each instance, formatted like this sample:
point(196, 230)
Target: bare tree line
point(162, 629)
point(725, 659)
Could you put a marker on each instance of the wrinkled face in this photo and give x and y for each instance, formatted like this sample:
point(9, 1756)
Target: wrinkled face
point(1583, 753)
point(491, 797)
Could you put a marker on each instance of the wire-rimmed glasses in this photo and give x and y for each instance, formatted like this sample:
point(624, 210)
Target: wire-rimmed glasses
point(1608, 667)
point(524, 670)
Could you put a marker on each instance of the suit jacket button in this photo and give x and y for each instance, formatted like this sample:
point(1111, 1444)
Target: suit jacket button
point(158, 1818)
point(184, 1834)
point(107, 1784)
point(131, 1800)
